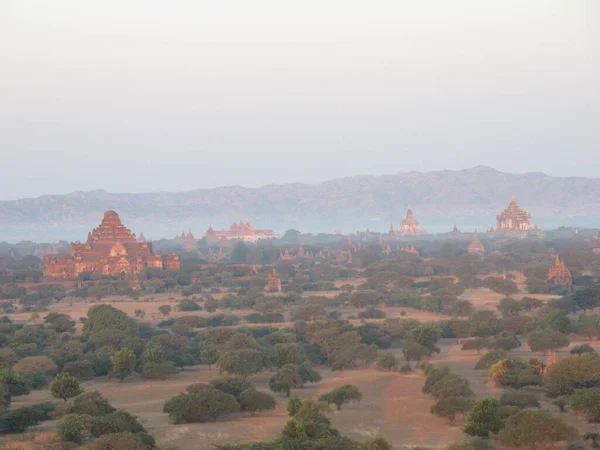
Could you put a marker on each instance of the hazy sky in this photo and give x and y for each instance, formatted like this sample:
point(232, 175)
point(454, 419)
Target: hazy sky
point(142, 95)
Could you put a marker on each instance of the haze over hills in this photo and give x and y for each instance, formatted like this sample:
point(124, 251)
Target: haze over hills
point(470, 198)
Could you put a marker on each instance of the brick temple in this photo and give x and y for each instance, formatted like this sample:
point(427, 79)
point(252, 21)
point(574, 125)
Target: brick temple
point(513, 218)
point(111, 249)
point(559, 274)
point(475, 246)
point(238, 231)
point(410, 224)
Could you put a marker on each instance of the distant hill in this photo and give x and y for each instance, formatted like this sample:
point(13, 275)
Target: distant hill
point(470, 198)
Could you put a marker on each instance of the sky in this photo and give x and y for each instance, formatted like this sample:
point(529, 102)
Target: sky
point(148, 95)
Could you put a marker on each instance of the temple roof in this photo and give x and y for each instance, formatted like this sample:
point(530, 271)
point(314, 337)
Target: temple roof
point(514, 211)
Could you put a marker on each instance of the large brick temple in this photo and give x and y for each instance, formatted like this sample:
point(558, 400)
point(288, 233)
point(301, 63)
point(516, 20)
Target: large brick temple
point(111, 249)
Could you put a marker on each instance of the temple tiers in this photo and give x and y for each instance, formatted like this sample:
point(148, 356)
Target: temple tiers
point(410, 225)
point(597, 246)
point(455, 232)
point(513, 218)
point(559, 274)
point(273, 282)
point(111, 249)
point(476, 247)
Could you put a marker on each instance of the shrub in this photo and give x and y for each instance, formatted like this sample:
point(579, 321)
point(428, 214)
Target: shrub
point(582, 349)
point(14, 382)
point(159, 371)
point(189, 305)
point(200, 406)
point(232, 385)
point(19, 419)
point(342, 395)
point(521, 399)
point(83, 370)
point(117, 422)
point(65, 386)
point(90, 403)
point(405, 368)
point(449, 407)
point(32, 364)
point(72, 426)
point(129, 441)
point(387, 361)
point(490, 359)
point(253, 400)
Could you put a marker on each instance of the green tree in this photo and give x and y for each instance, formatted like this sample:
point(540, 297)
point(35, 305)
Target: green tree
point(153, 353)
point(90, 403)
point(449, 407)
point(165, 310)
point(542, 340)
point(288, 353)
point(243, 362)
point(239, 254)
point(307, 374)
point(531, 428)
point(253, 400)
point(294, 405)
point(233, 385)
point(107, 317)
point(72, 426)
point(484, 418)
point(285, 379)
point(427, 336)
point(65, 386)
point(586, 401)
point(413, 351)
point(341, 396)
point(123, 363)
point(209, 354)
point(387, 361)
point(476, 344)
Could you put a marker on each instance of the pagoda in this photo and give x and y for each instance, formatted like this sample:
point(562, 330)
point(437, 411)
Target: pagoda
point(455, 232)
point(285, 256)
point(476, 247)
point(111, 249)
point(273, 282)
point(597, 246)
point(410, 225)
point(513, 218)
point(392, 232)
point(559, 274)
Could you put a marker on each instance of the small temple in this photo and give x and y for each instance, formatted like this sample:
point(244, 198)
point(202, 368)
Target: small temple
point(273, 282)
point(187, 241)
point(410, 225)
point(476, 247)
point(455, 232)
point(597, 246)
point(111, 249)
point(559, 274)
point(238, 231)
point(513, 218)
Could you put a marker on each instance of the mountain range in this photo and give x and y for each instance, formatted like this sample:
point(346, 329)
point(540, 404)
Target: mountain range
point(471, 198)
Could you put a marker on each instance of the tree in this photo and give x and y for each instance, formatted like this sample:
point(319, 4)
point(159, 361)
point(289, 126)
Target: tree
point(209, 354)
point(427, 336)
point(449, 407)
point(239, 254)
point(72, 426)
point(413, 351)
point(165, 310)
point(129, 441)
point(158, 370)
point(153, 353)
point(307, 374)
point(506, 340)
point(586, 298)
point(530, 428)
point(586, 401)
point(541, 340)
point(253, 400)
point(476, 344)
point(484, 418)
point(288, 353)
point(520, 398)
point(116, 422)
point(232, 385)
point(594, 437)
point(377, 444)
point(243, 362)
point(490, 358)
point(582, 349)
point(65, 386)
point(501, 285)
point(31, 364)
point(342, 395)
point(123, 363)
point(285, 379)
point(200, 406)
point(107, 317)
point(574, 372)
point(294, 405)
point(509, 307)
point(387, 361)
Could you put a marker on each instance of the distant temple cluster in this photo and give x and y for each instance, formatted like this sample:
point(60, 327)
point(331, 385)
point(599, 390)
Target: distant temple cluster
point(559, 274)
point(238, 231)
point(111, 249)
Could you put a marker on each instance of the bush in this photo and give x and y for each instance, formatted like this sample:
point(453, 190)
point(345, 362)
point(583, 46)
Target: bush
point(253, 400)
point(72, 426)
point(32, 364)
point(189, 305)
point(114, 441)
point(83, 370)
point(90, 403)
point(158, 370)
point(372, 313)
point(232, 385)
point(14, 382)
point(521, 399)
point(200, 406)
point(405, 368)
point(19, 419)
point(582, 349)
point(490, 358)
point(117, 422)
